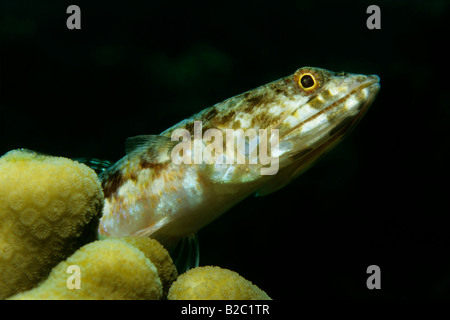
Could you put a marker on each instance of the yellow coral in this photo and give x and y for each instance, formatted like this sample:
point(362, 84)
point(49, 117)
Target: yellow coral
point(49, 207)
point(108, 269)
point(159, 256)
point(214, 283)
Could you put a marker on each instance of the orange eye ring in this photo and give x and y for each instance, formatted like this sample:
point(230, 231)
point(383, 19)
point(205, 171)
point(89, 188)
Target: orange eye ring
point(307, 81)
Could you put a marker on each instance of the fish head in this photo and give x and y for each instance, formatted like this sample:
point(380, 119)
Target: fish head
point(324, 106)
point(318, 108)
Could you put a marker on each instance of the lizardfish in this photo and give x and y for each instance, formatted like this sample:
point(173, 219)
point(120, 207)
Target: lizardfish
point(148, 193)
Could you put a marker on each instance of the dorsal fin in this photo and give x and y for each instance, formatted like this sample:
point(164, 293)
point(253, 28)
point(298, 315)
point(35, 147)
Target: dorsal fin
point(155, 148)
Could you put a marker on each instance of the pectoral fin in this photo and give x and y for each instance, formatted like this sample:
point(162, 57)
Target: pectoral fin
point(302, 160)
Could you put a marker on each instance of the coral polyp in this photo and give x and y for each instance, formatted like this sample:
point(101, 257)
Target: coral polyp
point(109, 270)
point(214, 283)
point(49, 207)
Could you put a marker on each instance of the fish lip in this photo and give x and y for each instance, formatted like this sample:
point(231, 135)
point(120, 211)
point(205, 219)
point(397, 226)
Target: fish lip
point(374, 78)
point(372, 82)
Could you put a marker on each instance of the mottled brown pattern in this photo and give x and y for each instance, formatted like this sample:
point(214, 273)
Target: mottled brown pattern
point(236, 125)
point(278, 90)
point(225, 118)
point(315, 103)
point(211, 113)
point(112, 182)
point(326, 94)
point(252, 105)
point(190, 127)
point(262, 120)
point(253, 101)
point(208, 125)
point(155, 166)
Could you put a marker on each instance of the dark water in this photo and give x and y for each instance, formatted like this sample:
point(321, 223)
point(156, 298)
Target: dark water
point(380, 198)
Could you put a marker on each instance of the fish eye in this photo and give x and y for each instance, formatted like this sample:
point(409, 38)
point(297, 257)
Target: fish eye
point(308, 80)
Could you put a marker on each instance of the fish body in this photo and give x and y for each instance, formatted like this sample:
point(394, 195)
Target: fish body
point(149, 192)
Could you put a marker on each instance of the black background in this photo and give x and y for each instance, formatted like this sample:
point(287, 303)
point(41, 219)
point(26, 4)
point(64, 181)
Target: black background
point(380, 198)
